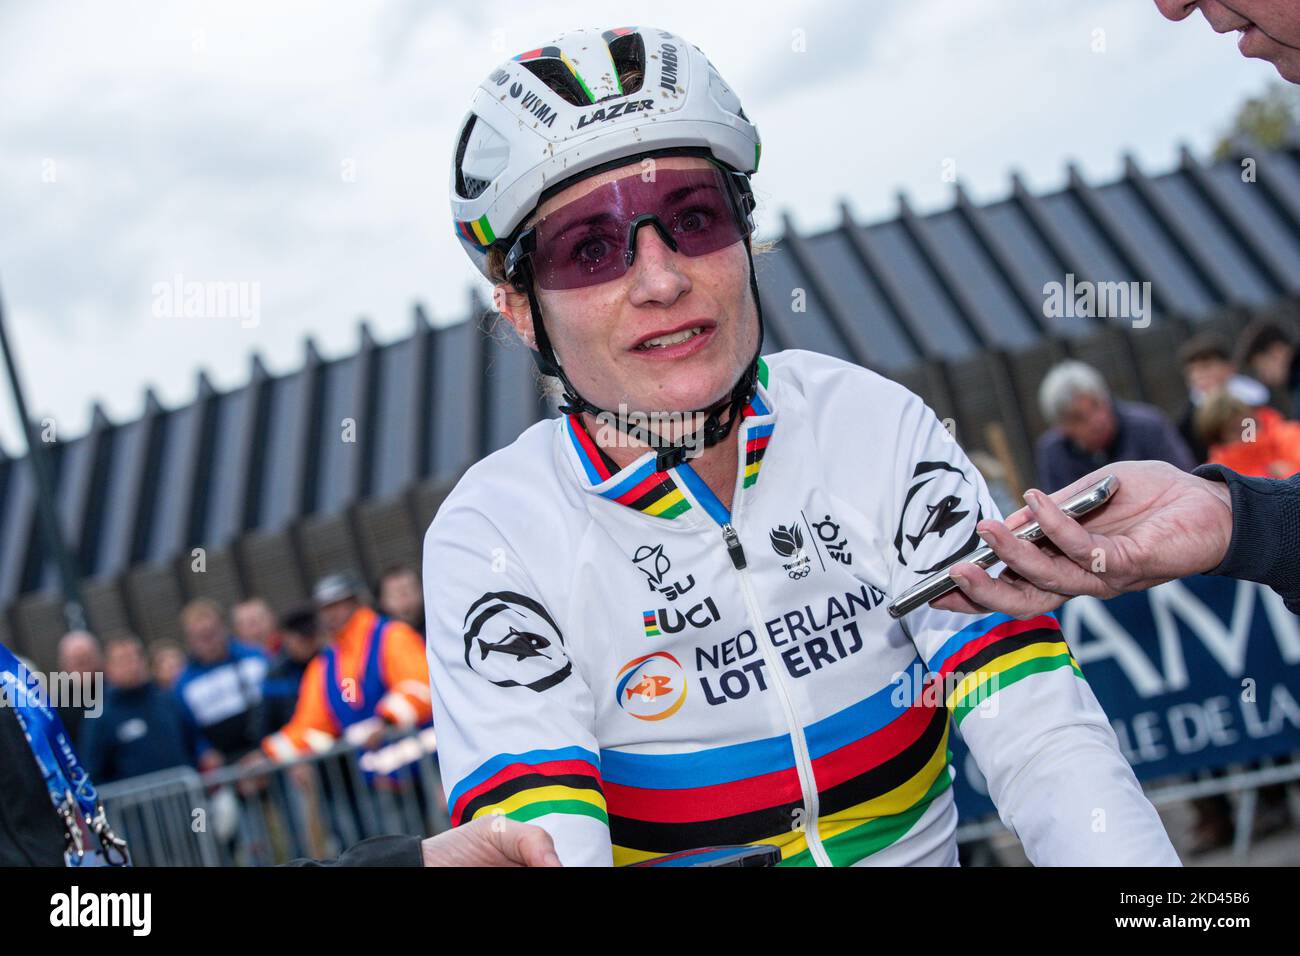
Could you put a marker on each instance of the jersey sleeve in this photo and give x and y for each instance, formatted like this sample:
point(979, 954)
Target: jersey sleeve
point(1014, 691)
point(514, 718)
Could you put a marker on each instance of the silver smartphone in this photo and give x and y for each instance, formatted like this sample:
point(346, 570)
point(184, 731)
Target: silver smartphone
point(941, 582)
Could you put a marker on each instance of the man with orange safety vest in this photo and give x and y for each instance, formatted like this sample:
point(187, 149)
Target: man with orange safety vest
point(371, 676)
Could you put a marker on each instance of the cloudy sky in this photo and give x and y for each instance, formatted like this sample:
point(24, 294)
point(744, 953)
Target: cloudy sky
point(304, 147)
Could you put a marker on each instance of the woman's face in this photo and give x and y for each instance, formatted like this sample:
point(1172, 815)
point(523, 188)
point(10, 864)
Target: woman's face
point(596, 331)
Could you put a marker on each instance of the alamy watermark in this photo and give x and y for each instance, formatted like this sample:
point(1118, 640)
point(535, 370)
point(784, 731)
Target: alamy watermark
point(657, 429)
point(230, 299)
point(1100, 300)
point(57, 689)
point(976, 689)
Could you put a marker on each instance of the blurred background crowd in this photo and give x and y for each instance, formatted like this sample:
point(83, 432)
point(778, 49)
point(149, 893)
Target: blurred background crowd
point(231, 690)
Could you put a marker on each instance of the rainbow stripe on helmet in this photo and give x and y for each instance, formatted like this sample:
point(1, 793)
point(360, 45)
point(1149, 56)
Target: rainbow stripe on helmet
point(476, 232)
point(555, 53)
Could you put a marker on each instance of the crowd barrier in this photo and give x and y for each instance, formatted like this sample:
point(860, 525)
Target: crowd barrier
point(312, 807)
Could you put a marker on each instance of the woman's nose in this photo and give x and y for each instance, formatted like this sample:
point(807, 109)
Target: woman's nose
point(655, 268)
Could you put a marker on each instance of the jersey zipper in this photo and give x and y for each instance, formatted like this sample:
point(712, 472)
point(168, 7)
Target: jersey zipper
point(803, 761)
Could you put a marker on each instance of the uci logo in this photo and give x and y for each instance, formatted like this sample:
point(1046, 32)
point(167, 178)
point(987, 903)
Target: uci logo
point(670, 621)
point(651, 687)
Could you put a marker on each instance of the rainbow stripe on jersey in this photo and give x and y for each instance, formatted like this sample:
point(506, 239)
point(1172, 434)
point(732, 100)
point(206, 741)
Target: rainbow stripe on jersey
point(657, 493)
point(997, 651)
point(528, 785)
point(877, 765)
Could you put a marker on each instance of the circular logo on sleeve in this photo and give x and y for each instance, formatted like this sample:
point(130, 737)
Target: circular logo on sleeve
point(511, 640)
point(939, 517)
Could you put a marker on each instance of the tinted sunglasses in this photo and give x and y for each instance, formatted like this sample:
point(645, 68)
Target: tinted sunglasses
point(593, 239)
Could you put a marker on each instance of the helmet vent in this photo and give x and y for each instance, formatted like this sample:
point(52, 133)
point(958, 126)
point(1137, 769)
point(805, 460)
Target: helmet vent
point(467, 187)
point(558, 78)
point(472, 188)
point(628, 54)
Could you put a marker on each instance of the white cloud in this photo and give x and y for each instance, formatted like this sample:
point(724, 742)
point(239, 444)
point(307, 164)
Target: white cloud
point(211, 140)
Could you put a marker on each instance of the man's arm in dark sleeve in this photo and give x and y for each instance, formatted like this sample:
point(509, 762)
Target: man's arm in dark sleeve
point(376, 851)
point(1265, 544)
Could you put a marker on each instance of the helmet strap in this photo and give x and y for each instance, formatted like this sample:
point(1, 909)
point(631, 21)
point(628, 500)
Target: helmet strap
point(669, 454)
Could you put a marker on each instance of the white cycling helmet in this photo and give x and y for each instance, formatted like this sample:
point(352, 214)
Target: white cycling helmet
point(558, 110)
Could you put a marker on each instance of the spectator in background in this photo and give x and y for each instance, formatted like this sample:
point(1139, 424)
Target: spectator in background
point(1090, 429)
point(401, 596)
point(372, 674)
point(1251, 441)
point(221, 686)
point(1208, 368)
point(254, 623)
point(141, 729)
point(1267, 352)
point(82, 659)
point(300, 641)
point(166, 661)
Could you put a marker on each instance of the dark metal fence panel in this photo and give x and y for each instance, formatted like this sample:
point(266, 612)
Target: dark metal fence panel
point(312, 807)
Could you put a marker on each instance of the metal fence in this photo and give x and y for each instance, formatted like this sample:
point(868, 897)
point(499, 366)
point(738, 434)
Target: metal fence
point(315, 806)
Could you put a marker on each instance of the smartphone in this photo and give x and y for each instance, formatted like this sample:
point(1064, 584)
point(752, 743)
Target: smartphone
point(760, 855)
point(941, 582)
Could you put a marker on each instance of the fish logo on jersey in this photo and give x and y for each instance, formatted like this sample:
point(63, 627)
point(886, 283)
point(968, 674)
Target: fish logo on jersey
point(651, 687)
point(519, 644)
point(939, 516)
point(944, 515)
point(512, 641)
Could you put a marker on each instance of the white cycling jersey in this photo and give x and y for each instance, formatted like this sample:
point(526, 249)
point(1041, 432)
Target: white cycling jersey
point(618, 658)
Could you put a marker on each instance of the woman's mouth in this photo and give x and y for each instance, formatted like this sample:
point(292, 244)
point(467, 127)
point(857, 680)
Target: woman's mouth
point(676, 344)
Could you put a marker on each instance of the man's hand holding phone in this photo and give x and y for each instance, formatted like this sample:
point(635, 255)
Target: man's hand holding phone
point(1161, 523)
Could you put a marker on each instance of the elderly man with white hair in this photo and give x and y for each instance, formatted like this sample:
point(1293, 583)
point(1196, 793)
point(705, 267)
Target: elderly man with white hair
point(1091, 429)
point(81, 661)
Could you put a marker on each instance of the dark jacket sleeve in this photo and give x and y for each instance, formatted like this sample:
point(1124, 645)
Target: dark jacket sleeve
point(1265, 544)
point(376, 851)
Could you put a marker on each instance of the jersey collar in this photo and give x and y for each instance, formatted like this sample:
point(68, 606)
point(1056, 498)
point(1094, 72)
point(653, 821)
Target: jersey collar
point(659, 494)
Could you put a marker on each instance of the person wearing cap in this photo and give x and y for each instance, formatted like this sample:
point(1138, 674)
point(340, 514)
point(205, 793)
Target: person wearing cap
point(370, 676)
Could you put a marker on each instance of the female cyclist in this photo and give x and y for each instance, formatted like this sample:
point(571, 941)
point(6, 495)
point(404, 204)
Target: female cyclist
point(658, 621)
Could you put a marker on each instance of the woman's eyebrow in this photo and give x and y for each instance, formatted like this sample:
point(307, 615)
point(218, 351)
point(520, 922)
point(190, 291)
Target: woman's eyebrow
point(590, 220)
point(676, 195)
point(681, 192)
